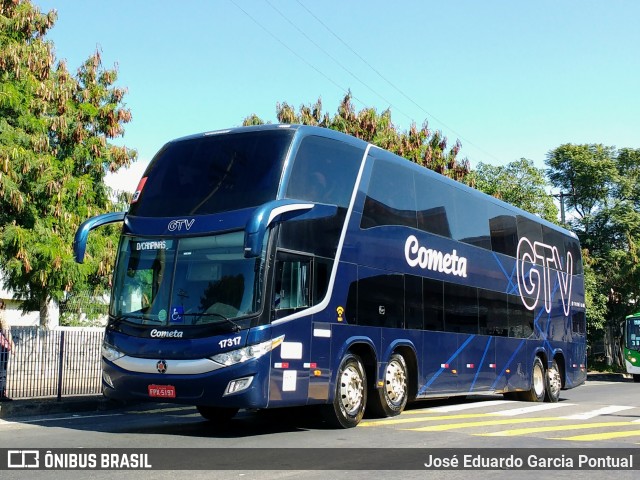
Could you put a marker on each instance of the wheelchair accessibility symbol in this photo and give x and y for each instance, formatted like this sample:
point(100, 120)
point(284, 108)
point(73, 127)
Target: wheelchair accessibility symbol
point(177, 314)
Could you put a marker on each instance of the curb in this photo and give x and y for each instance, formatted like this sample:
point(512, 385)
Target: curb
point(46, 406)
point(609, 377)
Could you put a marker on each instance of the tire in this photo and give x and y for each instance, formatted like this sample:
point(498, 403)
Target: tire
point(636, 377)
point(554, 383)
point(391, 399)
point(219, 415)
point(538, 383)
point(350, 396)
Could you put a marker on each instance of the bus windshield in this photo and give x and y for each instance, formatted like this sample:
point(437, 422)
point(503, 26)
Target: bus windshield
point(187, 281)
point(633, 334)
point(212, 174)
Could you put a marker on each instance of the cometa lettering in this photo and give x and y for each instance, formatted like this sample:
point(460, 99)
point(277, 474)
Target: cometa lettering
point(435, 260)
point(166, 334)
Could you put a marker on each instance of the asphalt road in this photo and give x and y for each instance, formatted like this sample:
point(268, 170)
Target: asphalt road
point(602, 414)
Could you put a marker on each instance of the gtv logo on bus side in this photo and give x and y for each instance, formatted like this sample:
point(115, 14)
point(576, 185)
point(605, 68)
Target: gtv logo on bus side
point(532, 283)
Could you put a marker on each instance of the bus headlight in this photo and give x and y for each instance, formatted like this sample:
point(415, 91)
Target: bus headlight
point(110, 352)
point(247, 353)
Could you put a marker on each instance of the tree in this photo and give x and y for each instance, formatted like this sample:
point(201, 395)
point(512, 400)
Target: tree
point(422, 146)
point(519, 183)
point(55, 129)
point(605, 197)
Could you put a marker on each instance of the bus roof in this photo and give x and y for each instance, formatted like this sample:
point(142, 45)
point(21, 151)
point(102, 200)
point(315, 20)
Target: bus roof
point(305, 130)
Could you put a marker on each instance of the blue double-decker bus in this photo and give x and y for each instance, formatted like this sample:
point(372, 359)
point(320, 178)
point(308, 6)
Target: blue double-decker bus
point(282, 265)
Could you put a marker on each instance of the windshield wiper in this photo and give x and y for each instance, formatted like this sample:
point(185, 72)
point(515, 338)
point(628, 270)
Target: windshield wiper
point(139, 317)
point(234, 325)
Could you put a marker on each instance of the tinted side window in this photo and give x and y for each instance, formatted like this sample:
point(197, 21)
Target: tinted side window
point(300, 281)
point(414, 311)
point(324, 171)
point(520, 319)
point(573, 246)
point(433, 295)
point(578, 323)
point(555, 239)
point(529, 229)
point(321, 272)
point(380, 301)
point(494, 318)
point(472, 220)
point(460, 308)
point(435, 205)
point(504, 234)
point(292, 290)
point(390, 196)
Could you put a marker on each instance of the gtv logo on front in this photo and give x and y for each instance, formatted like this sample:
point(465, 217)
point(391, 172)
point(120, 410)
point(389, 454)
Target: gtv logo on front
point(531, 283)
point(180, 224)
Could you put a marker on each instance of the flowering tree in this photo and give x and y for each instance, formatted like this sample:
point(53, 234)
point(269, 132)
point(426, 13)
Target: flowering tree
point(55, 132)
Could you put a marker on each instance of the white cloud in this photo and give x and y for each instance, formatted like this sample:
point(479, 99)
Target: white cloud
point(126, 179)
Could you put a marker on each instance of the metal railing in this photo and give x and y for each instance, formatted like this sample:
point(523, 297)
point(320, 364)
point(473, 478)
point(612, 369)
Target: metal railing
point(54, 363)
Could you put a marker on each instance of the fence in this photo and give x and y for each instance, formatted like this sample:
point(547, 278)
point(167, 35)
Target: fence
point(54, 363)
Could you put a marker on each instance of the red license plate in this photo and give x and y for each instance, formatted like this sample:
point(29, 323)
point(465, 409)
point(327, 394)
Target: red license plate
point(162, 391)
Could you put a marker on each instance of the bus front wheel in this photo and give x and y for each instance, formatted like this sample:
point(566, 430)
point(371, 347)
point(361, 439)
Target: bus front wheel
point(391, 399)
point(350, 399)
point(538, 383)
point(636, 377)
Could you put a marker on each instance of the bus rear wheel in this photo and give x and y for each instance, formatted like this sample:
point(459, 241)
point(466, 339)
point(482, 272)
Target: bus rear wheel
point(391, 399)
point(538, 383)
point(219, 415)
point(350, 399)
point(554, 383)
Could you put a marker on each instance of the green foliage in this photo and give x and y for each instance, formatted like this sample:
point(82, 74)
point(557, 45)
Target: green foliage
point(585, 171)
point(55, 129)
point(420, 145)
point(518, 183)
point(605, 197)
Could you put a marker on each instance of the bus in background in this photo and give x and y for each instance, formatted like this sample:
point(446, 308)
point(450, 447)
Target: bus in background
point(631, 345)
point(281, 265)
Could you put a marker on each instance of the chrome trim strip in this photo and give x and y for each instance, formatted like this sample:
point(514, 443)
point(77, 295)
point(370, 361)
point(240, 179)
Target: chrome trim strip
point(174, 367)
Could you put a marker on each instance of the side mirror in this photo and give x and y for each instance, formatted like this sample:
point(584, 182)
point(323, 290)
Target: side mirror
point(279, 211)
point(80, 240)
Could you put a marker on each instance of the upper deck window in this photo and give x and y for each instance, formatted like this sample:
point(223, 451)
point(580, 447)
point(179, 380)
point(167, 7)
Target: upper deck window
point(213, 174)
point(324, 171)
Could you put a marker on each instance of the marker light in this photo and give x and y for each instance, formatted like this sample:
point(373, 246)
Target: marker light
point(238, 385)
point(247, 353)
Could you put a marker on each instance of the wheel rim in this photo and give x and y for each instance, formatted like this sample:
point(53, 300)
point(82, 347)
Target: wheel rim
point(538, 381)
point(351, 390)
point(554, 381)
point(395, 382)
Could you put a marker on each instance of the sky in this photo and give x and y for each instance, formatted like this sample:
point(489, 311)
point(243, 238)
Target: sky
point(509, 79)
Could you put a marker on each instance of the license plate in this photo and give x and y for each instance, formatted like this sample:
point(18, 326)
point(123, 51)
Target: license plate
point(162, 391)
